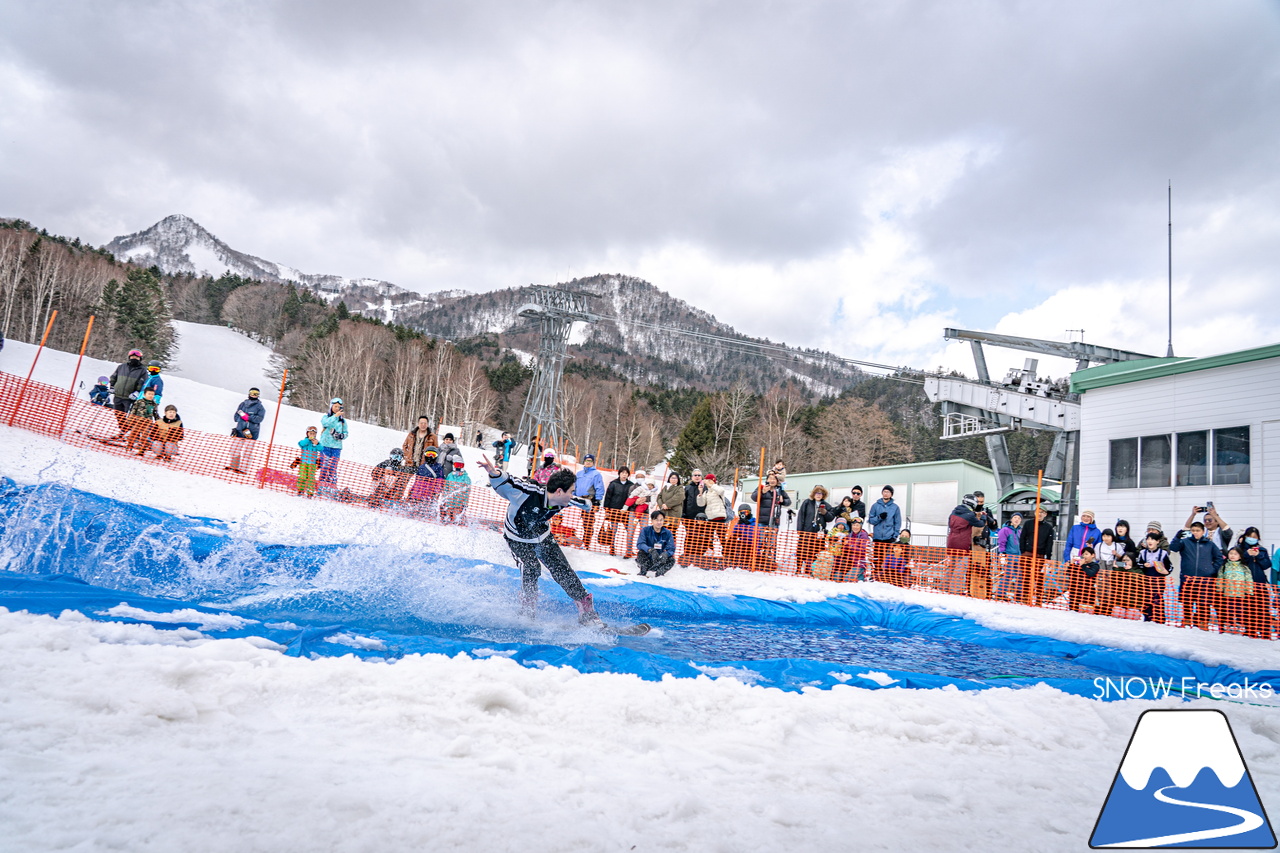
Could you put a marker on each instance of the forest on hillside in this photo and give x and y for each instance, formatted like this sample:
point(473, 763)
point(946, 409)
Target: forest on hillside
point(390, 374)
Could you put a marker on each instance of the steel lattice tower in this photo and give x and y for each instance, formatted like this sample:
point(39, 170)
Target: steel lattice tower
point(556, 311)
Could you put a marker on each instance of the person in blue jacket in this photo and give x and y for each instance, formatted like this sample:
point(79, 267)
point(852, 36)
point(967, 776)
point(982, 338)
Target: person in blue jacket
point(100, 394)
point(244, 426)
point(656, 547)
point(154, 380)
point(1201, 560)
point(589, 486)
point(885, 518)
point(333, 431)
point(1083, 532)
point(502, 449)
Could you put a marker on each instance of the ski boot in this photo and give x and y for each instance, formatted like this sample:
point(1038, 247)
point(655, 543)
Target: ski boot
point(587, 613)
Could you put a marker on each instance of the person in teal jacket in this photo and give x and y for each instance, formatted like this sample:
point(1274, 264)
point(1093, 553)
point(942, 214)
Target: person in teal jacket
point(308, 459)
point(333, 431)
point(457, 491)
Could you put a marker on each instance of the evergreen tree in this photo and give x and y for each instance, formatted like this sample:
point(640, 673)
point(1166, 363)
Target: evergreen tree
point(698, 436)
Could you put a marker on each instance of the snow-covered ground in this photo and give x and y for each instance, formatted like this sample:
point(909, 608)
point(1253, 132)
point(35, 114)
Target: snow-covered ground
point(127, 737)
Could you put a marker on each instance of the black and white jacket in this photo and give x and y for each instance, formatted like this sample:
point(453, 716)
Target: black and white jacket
point(528, 514)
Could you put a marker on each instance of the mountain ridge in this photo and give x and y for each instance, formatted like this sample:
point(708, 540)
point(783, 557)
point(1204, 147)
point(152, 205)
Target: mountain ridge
point(643, 333)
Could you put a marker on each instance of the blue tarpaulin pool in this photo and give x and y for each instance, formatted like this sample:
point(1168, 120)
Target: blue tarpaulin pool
point(62, 549)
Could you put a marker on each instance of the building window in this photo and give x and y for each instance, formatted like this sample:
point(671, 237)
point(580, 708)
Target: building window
point(1193, 459)
point(1155, 461)
point(1231, 456)
point(1124, 464)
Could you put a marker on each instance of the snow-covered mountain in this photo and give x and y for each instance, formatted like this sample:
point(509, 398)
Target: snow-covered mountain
point(178, 244)
point(644, 333)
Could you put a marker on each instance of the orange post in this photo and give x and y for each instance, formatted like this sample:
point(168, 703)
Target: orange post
point(599, 450)
point(755, 552)
point(1035, 541)
point(271, 443)
point(71, 392)
point(27, 381)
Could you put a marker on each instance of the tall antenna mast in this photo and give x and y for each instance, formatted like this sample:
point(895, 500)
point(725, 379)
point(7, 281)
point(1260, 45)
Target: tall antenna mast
point(1169, 353)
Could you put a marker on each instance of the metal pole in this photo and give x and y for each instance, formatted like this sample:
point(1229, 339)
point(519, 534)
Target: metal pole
point(262, 481)
point(1035, 540)
point(1169, 352)
point(27, 381)
point(72, 390)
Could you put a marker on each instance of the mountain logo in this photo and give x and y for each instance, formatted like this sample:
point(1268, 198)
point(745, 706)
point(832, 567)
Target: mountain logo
point(1183, 783)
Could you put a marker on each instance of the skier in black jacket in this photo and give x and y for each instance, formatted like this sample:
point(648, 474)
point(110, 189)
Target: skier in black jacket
point(126, 385)
point(527, 529)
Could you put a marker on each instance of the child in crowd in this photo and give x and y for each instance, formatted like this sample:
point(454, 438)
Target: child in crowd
point(308, 461)
point(1156, 566)
point(1084, 573)
point(168, 432)
point(1008, 552)
point(426, 488)
point(1235, 585)
point(142, 418)
point(827, 562)
point(656, 548)
point(100, 394)
point(389, 476)
point(457, 491)
point(896, 570)
point(1109, 552)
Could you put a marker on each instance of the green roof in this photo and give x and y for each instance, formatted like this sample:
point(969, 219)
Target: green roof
point(1124, 372)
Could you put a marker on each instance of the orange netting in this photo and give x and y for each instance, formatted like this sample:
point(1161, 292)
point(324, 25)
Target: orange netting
point(1211, 604)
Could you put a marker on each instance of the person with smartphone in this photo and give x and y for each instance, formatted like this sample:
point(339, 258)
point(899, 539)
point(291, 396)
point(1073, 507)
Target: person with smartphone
point(1215, 529)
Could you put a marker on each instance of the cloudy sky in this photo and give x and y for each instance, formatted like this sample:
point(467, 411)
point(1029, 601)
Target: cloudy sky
point(849, 175)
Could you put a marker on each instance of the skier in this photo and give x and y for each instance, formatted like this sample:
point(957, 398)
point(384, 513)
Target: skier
point(389, 478)
point(100, 394)
point(245, 425)
point(153, 380)
point(142, 418)
point(528, 534)
point(308, 460)
point(126, 384)
point(548, 468)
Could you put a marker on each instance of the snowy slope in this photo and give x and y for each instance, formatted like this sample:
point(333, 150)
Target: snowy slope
point(222, 358)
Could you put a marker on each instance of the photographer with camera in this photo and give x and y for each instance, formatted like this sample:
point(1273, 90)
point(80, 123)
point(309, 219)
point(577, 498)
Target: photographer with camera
point(333, 431)
point(1215, 529)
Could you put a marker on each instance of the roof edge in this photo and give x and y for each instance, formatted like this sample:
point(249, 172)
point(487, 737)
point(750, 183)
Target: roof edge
point(1122, 373)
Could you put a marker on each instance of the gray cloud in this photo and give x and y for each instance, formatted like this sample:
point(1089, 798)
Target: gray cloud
point(1013, 148)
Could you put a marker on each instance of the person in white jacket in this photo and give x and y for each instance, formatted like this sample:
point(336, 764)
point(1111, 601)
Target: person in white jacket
point(714, 503)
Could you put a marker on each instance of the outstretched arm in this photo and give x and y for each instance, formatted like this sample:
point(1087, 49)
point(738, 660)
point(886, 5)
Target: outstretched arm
point(489, 467)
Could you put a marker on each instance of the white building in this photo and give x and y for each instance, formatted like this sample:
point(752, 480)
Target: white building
point(1160, 436)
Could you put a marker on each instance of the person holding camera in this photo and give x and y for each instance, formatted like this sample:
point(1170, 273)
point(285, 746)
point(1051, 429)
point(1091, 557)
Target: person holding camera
point(333, 431)
point(1215, 529)
point(1201, 560)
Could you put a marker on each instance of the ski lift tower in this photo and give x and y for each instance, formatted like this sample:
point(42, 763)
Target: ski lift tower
point(991, 409)
point(556, 310)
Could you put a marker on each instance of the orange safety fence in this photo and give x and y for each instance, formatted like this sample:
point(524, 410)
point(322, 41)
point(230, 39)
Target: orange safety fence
point(1212, 604)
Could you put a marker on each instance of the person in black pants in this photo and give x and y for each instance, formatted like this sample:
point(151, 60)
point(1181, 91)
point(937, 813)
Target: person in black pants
point(527, 529)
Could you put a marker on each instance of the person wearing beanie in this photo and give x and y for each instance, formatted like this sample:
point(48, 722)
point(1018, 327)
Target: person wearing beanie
point(742, 540)
point(1201, 560)
point(885, 519)
point(858, 505)
point(589, 486)
point(168, 432)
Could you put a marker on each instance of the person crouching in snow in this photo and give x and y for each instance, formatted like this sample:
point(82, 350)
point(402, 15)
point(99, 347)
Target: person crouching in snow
point(142, 419)
point(168, 432)
point(426, 488)
point(389, 478)
point(655, 551)
point(308, 461)
point(457, 491)
point(527, 529)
